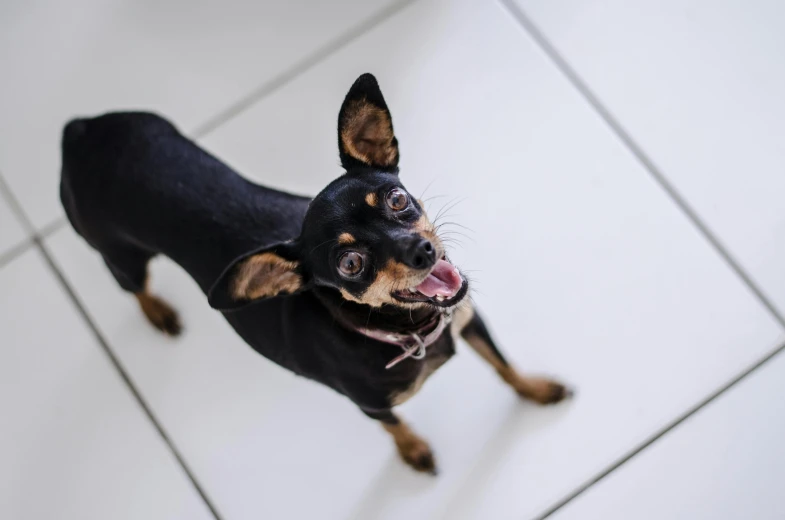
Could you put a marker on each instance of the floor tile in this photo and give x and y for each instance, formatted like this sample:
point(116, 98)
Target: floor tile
point(11, 231)
point(584, 268)
point(74, 443)
point(188, 60)
point(255, 435)
point(698, 84)
point(727, 461)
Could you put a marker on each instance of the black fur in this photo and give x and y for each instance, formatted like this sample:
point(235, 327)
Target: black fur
point(134, 187)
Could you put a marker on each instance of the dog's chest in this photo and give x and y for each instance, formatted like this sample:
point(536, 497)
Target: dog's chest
point(436, 355)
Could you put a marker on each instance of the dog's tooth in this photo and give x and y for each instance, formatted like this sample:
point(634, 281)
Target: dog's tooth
point(412, 289)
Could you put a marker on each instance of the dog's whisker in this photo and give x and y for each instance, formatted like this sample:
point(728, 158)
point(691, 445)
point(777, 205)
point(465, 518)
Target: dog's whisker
point(443, 209)
point(440, 221)
point(451, 223)
point(427, 187)
point(449, 207)
point(433, 197)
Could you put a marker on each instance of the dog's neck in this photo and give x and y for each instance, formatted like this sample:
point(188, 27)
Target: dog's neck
point(388, 318)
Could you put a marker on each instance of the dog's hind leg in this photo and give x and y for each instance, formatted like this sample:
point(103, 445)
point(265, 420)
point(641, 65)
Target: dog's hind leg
point(129, 267)
point(537, 389)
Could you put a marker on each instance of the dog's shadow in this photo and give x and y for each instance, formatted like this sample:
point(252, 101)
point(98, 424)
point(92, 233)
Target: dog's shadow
point(456, 493)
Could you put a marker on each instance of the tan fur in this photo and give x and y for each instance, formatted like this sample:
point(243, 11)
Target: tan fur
point(390, 278)
point(265, 275)
point(371, 199)
point(399, 398)
point(345, 239)
point(367, 134)
point(159, 313)
point(413, 449)
point(461, 317)
point(424, 227)
point(395, 276)
point(539, 390)
point(429, 365)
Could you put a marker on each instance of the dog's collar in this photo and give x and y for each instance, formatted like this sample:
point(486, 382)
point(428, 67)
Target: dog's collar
point(412, 343)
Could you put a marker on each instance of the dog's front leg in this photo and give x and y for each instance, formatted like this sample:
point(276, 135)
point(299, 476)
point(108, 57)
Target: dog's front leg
point(471, 327)
point(413, 449)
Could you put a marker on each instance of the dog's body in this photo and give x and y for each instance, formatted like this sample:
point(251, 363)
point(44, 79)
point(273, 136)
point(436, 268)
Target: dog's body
point(326, 277)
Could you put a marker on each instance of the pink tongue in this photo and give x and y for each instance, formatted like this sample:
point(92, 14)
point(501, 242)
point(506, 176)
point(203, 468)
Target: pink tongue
point(444, 280)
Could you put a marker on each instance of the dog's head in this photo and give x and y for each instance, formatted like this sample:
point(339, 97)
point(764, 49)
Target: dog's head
point(364, 235)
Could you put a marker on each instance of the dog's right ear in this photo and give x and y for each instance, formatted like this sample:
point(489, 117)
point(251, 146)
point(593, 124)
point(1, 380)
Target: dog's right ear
point(264, 273)
point(365, 131)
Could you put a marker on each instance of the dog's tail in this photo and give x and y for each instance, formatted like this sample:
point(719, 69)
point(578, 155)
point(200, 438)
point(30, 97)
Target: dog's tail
point(73, 130)
point(71, 145)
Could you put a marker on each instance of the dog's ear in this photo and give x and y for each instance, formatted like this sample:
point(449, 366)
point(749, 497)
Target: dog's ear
point(365, 130)
point(264, 273)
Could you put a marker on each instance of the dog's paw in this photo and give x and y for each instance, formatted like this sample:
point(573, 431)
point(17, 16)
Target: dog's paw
point(162, 316)
point(542, 391)
point(417, 454)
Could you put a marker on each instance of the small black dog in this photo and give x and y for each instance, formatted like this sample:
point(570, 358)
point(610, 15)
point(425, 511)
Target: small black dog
point(351, 288)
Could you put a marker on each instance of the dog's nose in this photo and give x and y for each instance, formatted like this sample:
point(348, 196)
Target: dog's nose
point(420, 254)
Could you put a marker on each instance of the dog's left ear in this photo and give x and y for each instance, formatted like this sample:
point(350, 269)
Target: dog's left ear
point(365, 130)
point(264, 273)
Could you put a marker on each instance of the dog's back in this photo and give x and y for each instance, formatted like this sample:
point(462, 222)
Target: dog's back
point(133, 187)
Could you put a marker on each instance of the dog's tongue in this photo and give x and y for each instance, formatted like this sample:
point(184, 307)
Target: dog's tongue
point(444, 281)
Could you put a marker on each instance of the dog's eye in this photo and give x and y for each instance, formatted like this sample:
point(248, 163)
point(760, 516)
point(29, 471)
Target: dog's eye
point(397, 199)
point(350, 263)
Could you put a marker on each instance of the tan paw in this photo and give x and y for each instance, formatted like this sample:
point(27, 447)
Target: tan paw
point(541, 390)
point(160, 314)
point(417, 454)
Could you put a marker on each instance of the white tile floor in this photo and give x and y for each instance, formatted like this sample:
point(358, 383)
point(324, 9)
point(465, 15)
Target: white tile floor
point(614, 287)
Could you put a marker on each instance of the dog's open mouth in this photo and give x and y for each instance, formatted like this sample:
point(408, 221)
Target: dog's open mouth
point(444, 287)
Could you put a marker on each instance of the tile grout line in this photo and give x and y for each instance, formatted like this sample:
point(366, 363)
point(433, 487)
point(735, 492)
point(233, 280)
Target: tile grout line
point(572, 76)
point(27, 225)
point(239, 106)
point(17, 250)
point(115, 361)
point(298, 68)
point(29, 242)
point(661, 433)
point(16, 207)
point(36, 238)
point(53, 227)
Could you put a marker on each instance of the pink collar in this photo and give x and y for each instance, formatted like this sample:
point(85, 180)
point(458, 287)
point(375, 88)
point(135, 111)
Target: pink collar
point(414, 343)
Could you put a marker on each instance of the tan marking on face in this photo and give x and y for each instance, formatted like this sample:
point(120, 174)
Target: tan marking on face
point(265, 275)
point(388, 279)
point(349, 296)
point(424, 227)
point(423, 224)
point(346, 239)
point(394, 276)
point(371, 199)
point(367, 134)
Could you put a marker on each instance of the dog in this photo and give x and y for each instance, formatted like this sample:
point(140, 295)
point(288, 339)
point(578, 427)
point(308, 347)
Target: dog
point(352, 288)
